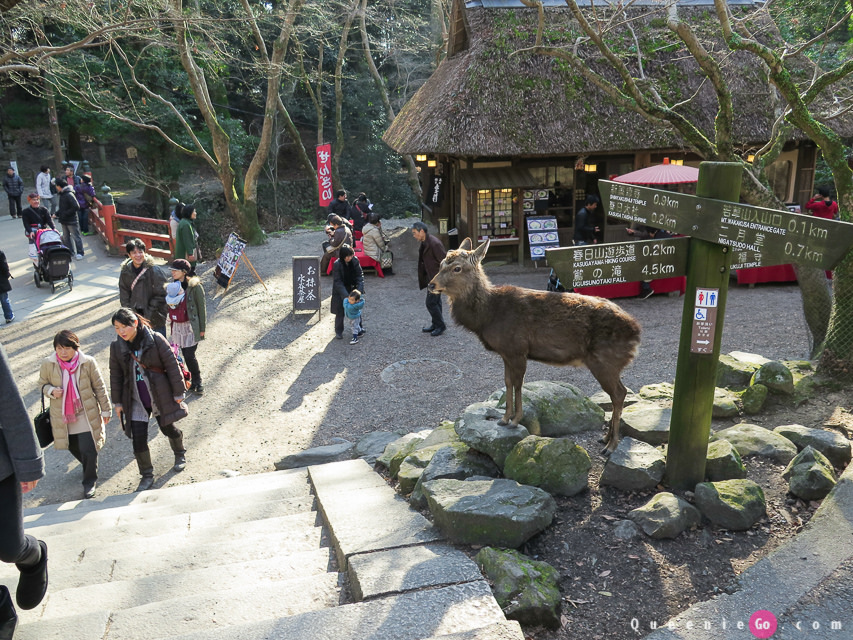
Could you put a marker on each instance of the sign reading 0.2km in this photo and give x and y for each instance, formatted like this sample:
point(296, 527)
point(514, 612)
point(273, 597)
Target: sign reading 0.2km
point(779, 237)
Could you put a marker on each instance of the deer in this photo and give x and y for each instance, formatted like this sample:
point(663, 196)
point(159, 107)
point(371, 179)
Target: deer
point(553, 328)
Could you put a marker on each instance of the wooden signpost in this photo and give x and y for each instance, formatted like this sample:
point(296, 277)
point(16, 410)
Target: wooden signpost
point(719, 226)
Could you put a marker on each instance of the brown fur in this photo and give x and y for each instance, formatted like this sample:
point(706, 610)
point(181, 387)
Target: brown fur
point(554, 328)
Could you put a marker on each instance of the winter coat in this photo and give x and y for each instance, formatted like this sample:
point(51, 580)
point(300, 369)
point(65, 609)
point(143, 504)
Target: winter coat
point(353, 310)
point(345, 278)
point(43, 185)
point(20, 453)
point(373, 242)
point(341, 208)
point(430, 255)
point(196, 306)
point(185, 241)
point(5, 274)
point(66, 211)
point(155, 352)
point(148, 297)
point(823, 208)
point(38, 217)
point(13, 185)
point(342, 236)
point(81, 191)
point(93, 394)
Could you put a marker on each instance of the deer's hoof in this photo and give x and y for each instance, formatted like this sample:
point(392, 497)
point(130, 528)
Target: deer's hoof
point(503, 422)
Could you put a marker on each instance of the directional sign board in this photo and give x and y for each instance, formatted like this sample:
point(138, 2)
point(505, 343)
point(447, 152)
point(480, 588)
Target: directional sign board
point(704, 320)
point(593, 265)
point(780, 237)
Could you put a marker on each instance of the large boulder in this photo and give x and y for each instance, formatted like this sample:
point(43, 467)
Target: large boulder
point(647, 421)
point(500, 512)
point(444, 433)
point(666, 516)
point(731, 504)
point(526, 590)
point(396, 451)
point(457, 462)
point(753, 440)
point(830, 443)
point(776, 377)
point(317, 455)
point(557, 465)
point(555, 409)
point(734, 373)
point(478, 428)
point(723, 462)
point(810, 475)
point(634, 465)
point(371, 446)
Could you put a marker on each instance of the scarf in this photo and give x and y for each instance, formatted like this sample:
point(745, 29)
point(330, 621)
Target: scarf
point(71, 404)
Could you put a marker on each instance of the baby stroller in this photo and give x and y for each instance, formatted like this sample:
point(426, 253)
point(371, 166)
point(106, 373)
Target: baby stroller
point(52, 261)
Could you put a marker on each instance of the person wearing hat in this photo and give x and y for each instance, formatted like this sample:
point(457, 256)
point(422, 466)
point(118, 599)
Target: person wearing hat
point(14, 188)
point(35, 217)
point(187, 316)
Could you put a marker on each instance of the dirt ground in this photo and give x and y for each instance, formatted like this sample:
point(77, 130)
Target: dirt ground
point(278, 383)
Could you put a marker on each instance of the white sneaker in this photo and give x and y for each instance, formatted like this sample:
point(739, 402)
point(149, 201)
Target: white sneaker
point(79, 257)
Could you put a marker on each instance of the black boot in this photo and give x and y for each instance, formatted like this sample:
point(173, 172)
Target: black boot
point(8, 617)
point(32, 585)
point(180, 452)
point(146, 470)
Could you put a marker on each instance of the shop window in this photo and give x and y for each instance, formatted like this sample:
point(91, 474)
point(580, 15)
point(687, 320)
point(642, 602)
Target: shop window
point(495, 213)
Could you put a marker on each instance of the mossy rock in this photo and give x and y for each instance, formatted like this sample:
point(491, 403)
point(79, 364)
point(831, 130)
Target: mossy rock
point(557, 465)
point(731, 504)
point(397, 451)
point(776, 377)
point(753, 399)
point(725, 404)
point(734, 373)
point(723, 462)
point(658, 391)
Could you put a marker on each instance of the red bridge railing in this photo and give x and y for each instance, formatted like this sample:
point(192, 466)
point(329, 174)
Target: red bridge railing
point(110, 226)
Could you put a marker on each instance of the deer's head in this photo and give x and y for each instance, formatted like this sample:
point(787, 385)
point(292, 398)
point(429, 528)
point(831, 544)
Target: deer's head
point(460, 271)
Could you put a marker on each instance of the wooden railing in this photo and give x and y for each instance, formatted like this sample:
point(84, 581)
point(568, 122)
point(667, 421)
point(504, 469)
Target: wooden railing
point(108, 223)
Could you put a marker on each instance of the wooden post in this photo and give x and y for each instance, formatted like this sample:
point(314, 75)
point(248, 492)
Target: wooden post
point(696, 373)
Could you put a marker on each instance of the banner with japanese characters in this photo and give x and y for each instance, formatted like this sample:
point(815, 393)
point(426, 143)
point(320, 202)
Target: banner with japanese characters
point(324, 173)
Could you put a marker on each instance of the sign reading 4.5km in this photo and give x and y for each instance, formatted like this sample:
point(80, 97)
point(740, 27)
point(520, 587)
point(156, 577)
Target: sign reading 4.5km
point(780, 237)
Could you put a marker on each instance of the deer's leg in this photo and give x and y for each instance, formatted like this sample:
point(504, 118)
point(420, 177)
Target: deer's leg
point(514, 370)
point(610, 382)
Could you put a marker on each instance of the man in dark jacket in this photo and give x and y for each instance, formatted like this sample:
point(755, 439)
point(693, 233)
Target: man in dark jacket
point(66, 213)
point(340, 206)
point(142, 286)
point(14, 187)
point(5, 288)
point(585, 227)
point(35, 216)
point(430, 255)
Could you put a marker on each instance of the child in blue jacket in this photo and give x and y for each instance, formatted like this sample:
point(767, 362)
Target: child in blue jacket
point(352, 308)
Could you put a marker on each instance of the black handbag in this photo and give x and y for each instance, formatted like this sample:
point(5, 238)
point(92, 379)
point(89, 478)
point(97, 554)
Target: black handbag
point(44, 432)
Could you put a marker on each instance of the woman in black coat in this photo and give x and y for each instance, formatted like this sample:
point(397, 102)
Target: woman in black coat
point(145, 378)
point(21, 467)
point(346, 276)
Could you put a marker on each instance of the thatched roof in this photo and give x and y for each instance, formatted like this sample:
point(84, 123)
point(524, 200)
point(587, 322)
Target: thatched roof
point(497, 99)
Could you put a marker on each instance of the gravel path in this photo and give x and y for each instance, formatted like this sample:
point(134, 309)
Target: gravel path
point(278, 383)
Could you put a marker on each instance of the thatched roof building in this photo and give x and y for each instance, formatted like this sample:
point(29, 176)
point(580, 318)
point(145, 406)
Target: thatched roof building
point(494, 103)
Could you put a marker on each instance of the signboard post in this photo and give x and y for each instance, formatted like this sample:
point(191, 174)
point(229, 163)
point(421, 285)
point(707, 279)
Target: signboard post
point(306, 284)
point(229, 260)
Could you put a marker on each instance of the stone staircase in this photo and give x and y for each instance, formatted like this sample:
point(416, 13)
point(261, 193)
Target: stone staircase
point(249, 558)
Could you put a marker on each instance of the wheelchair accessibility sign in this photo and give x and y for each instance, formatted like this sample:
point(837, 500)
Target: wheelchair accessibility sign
point(704, 320)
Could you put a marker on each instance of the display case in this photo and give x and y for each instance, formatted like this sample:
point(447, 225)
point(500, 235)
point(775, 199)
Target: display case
point(495, 214)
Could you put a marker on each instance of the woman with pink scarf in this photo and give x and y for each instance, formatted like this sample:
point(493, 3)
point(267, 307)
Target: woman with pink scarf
point(79, 405)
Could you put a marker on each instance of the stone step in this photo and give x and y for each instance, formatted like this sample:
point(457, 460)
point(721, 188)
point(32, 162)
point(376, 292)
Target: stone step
point(161, 502)
point(141, 523)
point(458, 609)
point(212, 609)
point(127, 594)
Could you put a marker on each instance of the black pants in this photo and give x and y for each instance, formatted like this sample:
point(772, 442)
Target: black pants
point(14, 206)
point(339, 324)
point(192, 362)
point(139, 433)
point(82, 447)
point(433, 305)
point(15, 546)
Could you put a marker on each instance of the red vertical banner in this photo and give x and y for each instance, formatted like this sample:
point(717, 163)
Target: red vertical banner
point(324, 173)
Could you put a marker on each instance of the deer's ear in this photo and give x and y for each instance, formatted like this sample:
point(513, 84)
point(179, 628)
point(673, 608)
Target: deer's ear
point(465, 245)
point(480, 252)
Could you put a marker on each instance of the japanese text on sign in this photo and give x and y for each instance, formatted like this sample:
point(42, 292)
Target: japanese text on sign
point(306, 283)
point(324, 173)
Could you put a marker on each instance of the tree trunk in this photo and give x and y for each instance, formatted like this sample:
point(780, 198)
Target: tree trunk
point(338, 148)
point(414, 182)
point(53, 120)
